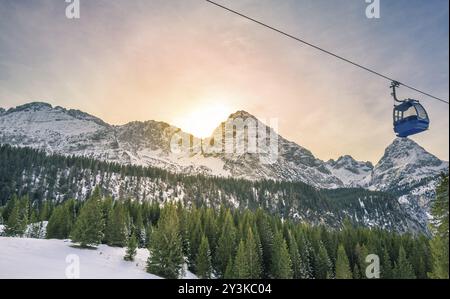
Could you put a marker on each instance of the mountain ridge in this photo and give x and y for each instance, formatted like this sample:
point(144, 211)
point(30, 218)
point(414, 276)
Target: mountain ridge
point(406, 169)
point(148, 143)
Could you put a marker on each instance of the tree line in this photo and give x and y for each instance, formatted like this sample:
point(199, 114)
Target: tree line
point(43, 178)
point(241, 244)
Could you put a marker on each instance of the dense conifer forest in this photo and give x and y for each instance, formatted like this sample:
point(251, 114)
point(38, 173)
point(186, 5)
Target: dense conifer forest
point(226, 243)
point(56, 178)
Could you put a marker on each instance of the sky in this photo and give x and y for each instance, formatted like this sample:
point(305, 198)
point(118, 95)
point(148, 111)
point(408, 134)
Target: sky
point(191, 64)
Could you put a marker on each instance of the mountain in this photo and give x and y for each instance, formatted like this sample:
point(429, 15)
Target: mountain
point(352, 173)
point(406, 169)
point(403, 164)
point(25, 171)
point(72, 132)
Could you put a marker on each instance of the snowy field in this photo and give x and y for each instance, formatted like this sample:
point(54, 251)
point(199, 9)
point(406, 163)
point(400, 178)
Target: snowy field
point(39, 259)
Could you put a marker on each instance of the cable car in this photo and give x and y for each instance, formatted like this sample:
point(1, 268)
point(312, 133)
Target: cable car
point(410, 117)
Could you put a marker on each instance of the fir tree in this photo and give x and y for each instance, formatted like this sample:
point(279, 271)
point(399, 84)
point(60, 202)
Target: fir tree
point(88, 229)
point(35, 230)
point(440, 210)
point(440, 258)
point(439, 245)
point(227, 243)
point(131, 248)
point(342, 264)
point(195, 239)
point(306, 256)
point(116, 230)
point(361, 253)
point(266, 236)
point(139, 229)
point(16, 224)
point(203, 266)
point(386, 266)
point(252, 255)
point(297, 265)
point(281, 262)
point(323, 266)
point(403, 268)
point(241, 266)
point(166, 253)
point(229, 271)
point(60, 223)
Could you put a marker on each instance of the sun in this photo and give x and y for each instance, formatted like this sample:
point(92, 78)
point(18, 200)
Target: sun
point(203, 120)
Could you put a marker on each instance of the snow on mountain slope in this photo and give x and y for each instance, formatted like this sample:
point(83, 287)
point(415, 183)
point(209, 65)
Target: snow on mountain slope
point(49, 259)
point(350, 171)
point(404, 163)
point(72, 132)
point(406, 169)
point(290, 161)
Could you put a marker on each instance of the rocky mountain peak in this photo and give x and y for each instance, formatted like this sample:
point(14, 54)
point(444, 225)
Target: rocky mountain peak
point(73, 132)
point(405, 163)
point(403, 152)
point(33, 106)
point(241, 114)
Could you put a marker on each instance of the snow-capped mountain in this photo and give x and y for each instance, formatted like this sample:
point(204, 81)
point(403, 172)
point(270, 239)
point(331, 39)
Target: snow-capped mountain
point(351, 172)
point(404, 163)
point(406, 169)
point(150, 143)
point(72, 132)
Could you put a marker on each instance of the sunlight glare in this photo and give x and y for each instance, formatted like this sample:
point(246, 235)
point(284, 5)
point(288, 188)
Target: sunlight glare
point(202, 120)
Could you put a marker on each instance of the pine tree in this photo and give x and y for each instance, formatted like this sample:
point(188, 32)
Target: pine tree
point(35, 230)
point(323, 266)
point(60, 223)
point(210, 229)
point(281, 262)
point(139, 229)
point(386, 266)
point(227, 244)
point(266, 236)
point(342, 264)
point(131, 248)
point(440, 258)
point(440, 208)
point(252, 255)
point(439, 245)
point(116, 230)
point(361, 253)
point(203, 266)
point(45, 211)
point(306, 256)
point(403, 268)
point(88, 229)
point(166, 252)
point(241, 266)
point(16, 224)
point(229, 271)
point(295, 258)
point(195, 239)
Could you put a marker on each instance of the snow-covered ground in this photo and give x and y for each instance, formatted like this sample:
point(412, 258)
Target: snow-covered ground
point(37, 258)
